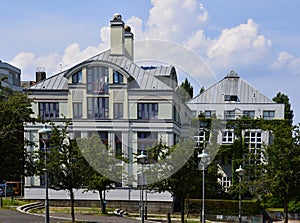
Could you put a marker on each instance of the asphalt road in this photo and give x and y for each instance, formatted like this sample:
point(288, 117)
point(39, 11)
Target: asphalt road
point(13, 216)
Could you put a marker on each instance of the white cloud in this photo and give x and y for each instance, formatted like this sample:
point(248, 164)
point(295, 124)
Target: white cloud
point(136, 25)
point(198, 40)
point(240, 44)
point(28, 63)
point(175, 19)
point(287, 63)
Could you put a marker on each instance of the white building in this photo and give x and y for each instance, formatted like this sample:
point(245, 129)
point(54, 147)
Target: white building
point(129, 106)
point(229, 99)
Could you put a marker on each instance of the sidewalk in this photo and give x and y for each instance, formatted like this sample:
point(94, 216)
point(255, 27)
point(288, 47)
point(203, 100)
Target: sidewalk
point(59, 217)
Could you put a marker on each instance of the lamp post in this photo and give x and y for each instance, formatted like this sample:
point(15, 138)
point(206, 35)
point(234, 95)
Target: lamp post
point(142, 159)
point(45, 134)
point(204, 159)
point(240, 171)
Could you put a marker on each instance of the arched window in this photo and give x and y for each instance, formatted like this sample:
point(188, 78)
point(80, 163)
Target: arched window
point(97, 80)
point(77, 77)
point(118, 78)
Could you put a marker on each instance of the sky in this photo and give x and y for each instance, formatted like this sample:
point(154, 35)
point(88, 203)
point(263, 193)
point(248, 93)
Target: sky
point(204, 39)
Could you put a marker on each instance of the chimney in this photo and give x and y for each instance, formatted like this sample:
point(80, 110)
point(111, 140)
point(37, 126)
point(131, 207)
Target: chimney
point(117, 35)
point(40, 74)
point(128, 43)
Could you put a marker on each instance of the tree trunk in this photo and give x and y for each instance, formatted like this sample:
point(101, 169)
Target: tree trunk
point(72, 205)
point(286, 210)
point(102, 204)
point(182, 209)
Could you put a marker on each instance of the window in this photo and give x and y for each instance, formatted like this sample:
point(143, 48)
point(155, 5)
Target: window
point(118, 78)
point(231, 98)
point(226, 183)
point(176, 114)
point(49, 109)
point(97, 108)
point(268, 115)
point(147, 110)
point(209, 114)
point(253, 140)
point(77, 77)
point(249, 114)
point(103, 135)
point(227, 136)
point(229, 115)
point(118, 144)
point(200, 138)
point(77, 110)
point(118, 110)
point(194, 113)
point(145, 141)
point(97, 80)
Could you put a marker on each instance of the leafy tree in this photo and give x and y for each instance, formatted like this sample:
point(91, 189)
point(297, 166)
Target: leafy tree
point(94, 150)
point(185, 90)
point(284, 99)
point(15, 110)
point(67, 168)
point(281, 174)
point(185, 182)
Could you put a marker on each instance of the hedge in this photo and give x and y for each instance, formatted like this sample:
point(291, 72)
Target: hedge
point(223, 207)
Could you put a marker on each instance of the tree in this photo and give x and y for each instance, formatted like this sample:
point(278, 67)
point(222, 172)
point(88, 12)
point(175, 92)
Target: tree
point(94, 149)
point(284, 99)
point(281, 174)
point(185, 90)
point(202, 90)
point(15, 110)
point(185, 182)
point(67, 168)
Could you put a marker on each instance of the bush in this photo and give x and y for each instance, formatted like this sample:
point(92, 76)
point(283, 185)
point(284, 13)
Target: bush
point(294, 206)
point(224, 207)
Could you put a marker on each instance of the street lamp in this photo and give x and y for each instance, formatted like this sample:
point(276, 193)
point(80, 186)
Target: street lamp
point(45, 135)
point(142, 159)
point(240, 171)
point(204, 160)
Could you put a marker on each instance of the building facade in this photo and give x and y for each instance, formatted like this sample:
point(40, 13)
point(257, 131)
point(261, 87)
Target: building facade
point(10, 76)
point(230, 99)
point(131, 107)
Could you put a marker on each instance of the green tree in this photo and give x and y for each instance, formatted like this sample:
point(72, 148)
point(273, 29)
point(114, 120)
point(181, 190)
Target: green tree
point(67, 168)
point(202, 90)
point(185, 90)
point(281, 170)
point(284, 99)
point(101, 162)
point(15, 110)
point(185, 182)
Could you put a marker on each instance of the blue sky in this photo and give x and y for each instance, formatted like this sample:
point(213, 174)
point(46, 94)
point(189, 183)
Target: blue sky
point(257, 39)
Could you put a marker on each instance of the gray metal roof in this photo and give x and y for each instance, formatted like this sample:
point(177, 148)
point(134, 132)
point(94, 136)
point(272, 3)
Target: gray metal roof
point(56, 82)
point(144, 79)
point(232, 84)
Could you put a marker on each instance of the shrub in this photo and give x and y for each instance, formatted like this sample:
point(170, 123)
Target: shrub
point(224, 207)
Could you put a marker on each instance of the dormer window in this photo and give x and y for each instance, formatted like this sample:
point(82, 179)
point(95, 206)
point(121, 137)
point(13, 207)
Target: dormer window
point(77, 77)
point(231, 98)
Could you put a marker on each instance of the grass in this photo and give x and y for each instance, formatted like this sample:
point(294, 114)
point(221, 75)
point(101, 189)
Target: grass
point(96, 211)
point(10, 202)
point(275, 209)
point(81, 210)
